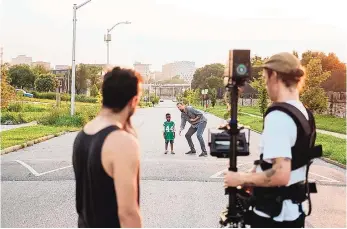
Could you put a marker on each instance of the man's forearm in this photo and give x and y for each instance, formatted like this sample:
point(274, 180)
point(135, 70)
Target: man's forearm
point(269, 178)
point(196, 119)
point(183, 124)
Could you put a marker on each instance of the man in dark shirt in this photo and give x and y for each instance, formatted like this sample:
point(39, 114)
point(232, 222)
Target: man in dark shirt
point(198, 124)
point(106, 157)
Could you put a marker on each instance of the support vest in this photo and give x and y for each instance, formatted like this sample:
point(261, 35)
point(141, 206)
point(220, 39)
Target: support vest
point(269, 199)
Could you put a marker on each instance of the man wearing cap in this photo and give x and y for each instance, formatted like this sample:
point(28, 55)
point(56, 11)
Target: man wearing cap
point(279, 142)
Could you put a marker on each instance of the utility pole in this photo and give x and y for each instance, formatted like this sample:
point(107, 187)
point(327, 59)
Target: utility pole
point(73, 72)
point(1, 60)
point(107, 39)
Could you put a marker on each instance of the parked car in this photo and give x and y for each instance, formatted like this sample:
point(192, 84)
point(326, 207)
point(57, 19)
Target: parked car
point(25, 94)
point(161, 100)
point(174, 100)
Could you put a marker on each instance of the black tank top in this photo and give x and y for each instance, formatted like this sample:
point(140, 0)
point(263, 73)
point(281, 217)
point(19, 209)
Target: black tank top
point(96, 200)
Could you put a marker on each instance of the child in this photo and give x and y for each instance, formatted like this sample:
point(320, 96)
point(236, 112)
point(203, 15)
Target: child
point(169, 133)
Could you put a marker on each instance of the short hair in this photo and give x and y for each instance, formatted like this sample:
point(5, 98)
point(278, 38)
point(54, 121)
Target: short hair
point(179, 103)
point(168, 114)
point(293, 78)
point(119, 87)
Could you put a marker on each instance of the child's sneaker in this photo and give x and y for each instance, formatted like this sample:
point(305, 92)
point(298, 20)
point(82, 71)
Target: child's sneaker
point(172, 152)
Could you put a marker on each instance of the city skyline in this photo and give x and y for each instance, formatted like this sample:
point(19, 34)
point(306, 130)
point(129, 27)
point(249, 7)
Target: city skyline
point(168, 31)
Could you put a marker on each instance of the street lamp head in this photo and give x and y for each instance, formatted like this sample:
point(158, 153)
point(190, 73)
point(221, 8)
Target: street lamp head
point(127, 22)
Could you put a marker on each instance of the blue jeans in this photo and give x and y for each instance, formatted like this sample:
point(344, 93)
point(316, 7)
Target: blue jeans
point(200, 130)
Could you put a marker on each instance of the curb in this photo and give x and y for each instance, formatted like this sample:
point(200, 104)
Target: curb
point(31, 143)
point(327, 160)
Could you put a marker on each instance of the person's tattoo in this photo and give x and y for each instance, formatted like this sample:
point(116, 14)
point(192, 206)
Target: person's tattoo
point(269, 173)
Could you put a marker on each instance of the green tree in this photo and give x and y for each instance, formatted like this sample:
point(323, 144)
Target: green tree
point(94, 75)
point(94, 91)
point(257, 61)
point(295, 53)
point(46, 83)
point(213, 96)
point(307, 56)
point(202, 74)
point(7, 91)
point(82, 78)
point(174, 80)
point(259, 85)
point(214, 82)
point(257, 69)
point(313, 96)
point(330, 62)
point(39, 70)
point(189, 96)
point(154, 99)
point(21, 76)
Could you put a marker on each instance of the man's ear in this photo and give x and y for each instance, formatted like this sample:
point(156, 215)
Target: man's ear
point(134, 101)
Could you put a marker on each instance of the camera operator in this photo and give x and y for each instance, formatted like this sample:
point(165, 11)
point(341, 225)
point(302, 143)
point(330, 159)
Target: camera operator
point(280, 138)
point(106, 157)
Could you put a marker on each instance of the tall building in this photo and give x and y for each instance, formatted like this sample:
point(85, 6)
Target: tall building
point(143, 69)
point(167, 71)
point(46, 65)
point(184, 69)
point(61, 67)
point(158, 76)
point(22, 59)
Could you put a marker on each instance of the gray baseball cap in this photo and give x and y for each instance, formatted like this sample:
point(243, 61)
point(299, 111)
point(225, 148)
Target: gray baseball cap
point(283, 62)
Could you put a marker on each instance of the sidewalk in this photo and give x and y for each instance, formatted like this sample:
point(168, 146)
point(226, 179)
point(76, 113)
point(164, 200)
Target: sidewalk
point(10, 127)
point(338, 135)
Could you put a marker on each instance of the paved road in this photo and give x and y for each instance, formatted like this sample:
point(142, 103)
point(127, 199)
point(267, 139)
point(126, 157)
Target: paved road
point(177, 190)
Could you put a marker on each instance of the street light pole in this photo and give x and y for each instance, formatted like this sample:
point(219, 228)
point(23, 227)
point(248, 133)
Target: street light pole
point(107, 38)
point(73, 69)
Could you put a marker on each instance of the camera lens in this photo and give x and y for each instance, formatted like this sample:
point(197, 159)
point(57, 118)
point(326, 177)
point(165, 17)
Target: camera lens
point(241, 69)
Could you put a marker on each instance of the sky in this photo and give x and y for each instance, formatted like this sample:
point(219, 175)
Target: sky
point(164, 31)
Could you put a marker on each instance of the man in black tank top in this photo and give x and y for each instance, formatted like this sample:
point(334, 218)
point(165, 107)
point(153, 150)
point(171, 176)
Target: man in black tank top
point(106, 157)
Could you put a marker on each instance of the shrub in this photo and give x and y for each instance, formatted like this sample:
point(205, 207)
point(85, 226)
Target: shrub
point(46, 82)
point(65, 97)
point(15, 107)
point(22, 117)
point(94, 92)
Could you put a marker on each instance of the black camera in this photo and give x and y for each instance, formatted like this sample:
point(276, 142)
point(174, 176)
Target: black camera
point(219, 142)
point(238, 68)
point(228, 141)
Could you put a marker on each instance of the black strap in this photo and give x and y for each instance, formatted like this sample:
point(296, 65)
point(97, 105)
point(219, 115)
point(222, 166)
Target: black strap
point(309, 128)
point(294, 113)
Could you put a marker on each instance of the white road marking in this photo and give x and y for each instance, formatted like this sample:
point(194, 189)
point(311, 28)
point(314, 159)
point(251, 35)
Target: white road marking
point(54, 170)
point(217, 175)
point(28, 167)
point(33, 171)
point(326, 179)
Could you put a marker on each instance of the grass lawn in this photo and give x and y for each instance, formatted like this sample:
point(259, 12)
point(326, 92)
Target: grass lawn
point(323, 122)
point(334, 148)
point(22, 135)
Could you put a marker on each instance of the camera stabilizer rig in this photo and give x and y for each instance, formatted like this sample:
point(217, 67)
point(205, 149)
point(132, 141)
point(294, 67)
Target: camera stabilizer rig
point(231, 142)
